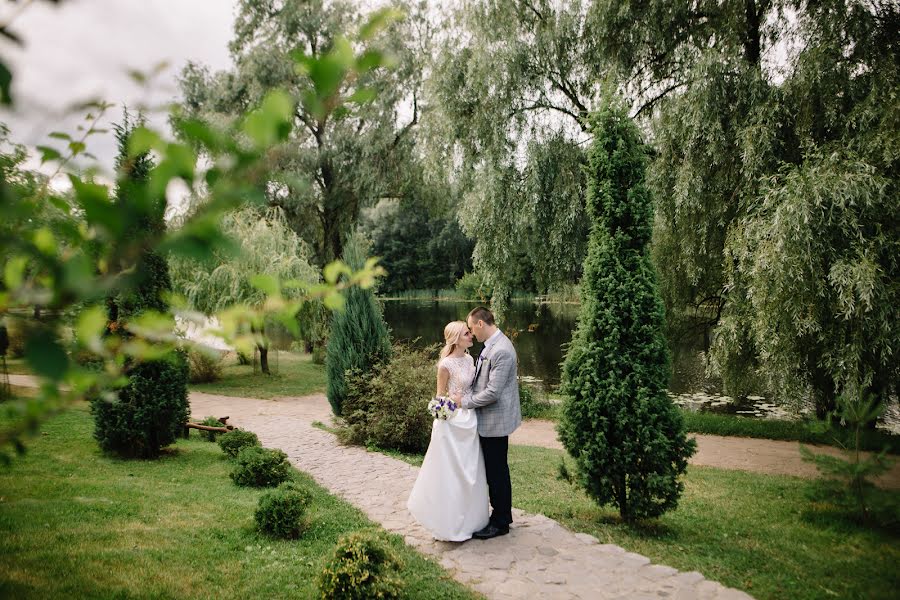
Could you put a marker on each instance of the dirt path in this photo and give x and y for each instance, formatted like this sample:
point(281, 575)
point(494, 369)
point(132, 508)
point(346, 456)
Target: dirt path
point(744, 454)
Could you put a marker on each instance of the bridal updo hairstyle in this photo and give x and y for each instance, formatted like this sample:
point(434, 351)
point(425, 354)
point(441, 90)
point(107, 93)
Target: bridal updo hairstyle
point(452, 332)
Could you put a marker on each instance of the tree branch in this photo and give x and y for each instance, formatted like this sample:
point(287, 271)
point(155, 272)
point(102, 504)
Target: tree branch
point(650, 103)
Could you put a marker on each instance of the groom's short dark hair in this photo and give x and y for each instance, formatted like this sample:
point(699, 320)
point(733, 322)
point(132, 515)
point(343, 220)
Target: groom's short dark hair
point(482, 314)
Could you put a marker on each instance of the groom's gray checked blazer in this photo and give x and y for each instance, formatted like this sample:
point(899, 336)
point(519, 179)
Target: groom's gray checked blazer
point(495, 389)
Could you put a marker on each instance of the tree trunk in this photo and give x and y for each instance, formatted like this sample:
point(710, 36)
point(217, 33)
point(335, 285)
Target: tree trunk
point(264, 359)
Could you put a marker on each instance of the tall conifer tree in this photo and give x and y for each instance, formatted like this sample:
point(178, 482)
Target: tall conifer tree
point(618, 421)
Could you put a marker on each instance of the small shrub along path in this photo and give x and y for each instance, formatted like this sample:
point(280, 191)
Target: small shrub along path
point(539, 558)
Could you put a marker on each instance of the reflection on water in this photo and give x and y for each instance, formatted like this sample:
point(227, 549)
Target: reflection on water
point(541, 333)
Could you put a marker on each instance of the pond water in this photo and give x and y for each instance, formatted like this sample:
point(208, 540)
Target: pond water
point(541, 332)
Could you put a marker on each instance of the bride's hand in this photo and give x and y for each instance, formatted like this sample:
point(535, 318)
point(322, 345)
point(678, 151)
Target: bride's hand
point(457, 398)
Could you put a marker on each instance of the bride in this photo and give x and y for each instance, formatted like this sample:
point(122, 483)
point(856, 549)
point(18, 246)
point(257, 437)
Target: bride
point(450, 496)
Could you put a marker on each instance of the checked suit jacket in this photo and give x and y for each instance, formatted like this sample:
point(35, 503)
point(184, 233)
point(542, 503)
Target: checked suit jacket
point(495, 389)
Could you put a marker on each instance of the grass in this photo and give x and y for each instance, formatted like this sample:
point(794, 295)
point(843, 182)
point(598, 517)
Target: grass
point(17, 366)
point(78, 524)
point(297, 375)
point(758, 533)
point(775, 429)
point(736, 426)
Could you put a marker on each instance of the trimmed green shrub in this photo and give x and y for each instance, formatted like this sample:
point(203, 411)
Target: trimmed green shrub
point(236, 440)
point(359, 336)
point(280, 512)
point(362, 566)
point(153, 406)
point(149, 413)
point(261, 467)
point(618, 422)
point(211, 422)
point(205, 365)
point(387, 406)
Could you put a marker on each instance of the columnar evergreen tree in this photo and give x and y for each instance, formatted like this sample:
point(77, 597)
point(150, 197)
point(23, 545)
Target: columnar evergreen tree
point(618, 422)
point(359, 336)
point(153, 406)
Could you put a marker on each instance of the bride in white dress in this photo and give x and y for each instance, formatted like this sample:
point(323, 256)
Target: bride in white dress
point(450, 496)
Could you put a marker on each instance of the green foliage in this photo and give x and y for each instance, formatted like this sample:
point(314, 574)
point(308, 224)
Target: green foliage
point(418, 250)
point(337, 161)
point(359, 336)
point(152, 406)
point(855, 471)
point(534, 403)
point(362, 566)
point(387, 406)
point(472, 286)
point(514, 83)
point(618, 422)
point(280, 512)
point(211, 422)
point(148, 413)
point(260, 467)
point(236, 440)
point(63, 256)
point(204, 365)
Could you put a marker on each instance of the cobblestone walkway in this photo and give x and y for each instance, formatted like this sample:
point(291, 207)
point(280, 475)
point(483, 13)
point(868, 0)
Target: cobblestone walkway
point(538, 559)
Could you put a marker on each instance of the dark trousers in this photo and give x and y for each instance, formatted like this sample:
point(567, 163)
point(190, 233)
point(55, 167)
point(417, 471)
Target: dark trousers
point(495, 450)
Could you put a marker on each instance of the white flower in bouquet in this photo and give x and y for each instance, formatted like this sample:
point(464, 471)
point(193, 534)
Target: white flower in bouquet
point(442, 408)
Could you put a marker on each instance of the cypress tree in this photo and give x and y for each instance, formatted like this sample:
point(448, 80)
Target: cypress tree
point(359, 336)
point(618, 422)
point(153, 406)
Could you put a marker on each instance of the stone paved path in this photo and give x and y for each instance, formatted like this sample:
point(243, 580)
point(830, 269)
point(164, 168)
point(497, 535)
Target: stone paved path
point(538, 559)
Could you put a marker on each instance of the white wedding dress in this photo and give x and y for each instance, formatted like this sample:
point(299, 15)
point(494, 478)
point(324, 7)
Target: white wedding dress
point(450, 496)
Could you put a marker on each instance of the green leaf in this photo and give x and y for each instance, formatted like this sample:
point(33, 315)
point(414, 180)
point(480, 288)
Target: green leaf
point(333, 270)
point(362, 95)
point(61, 135)
point(142, 140)
point(334, 301)
point(14, 271)
point(266, 284)
point(77, 147)
point(279, 105)
point(48, 153)
point(90, 326)
point(94, 199)
point(46, 356)
point(44, 241)
point(379, 20)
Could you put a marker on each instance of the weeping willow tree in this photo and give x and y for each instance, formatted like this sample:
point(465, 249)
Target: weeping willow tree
point(267, 245)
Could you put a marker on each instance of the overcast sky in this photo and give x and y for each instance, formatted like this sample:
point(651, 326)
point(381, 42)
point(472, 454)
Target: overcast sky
point(84, 49)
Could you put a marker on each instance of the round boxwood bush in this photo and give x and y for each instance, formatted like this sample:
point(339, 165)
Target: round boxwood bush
point(280, 512)
point(361, 566)
point(150, 411)
point(236, 440)
point(261, 467)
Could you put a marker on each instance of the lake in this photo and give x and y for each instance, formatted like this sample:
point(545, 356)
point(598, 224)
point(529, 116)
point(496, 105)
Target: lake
point(540, 333)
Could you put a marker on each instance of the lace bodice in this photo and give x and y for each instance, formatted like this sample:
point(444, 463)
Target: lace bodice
point(462, 371)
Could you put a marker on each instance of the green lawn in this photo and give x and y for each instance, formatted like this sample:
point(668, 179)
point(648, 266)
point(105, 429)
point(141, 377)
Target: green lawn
point(296, 375)
point(745, 530)
point(758, 533)
point(77, 524)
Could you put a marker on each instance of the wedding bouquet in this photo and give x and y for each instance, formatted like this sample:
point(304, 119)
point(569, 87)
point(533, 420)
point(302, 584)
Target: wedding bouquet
point(441, 408)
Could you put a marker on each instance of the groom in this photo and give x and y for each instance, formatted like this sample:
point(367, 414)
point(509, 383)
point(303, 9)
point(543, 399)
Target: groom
point(495, 397)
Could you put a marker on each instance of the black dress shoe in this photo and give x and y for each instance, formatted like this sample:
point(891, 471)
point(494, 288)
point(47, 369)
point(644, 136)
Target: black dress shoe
point(491, 531)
